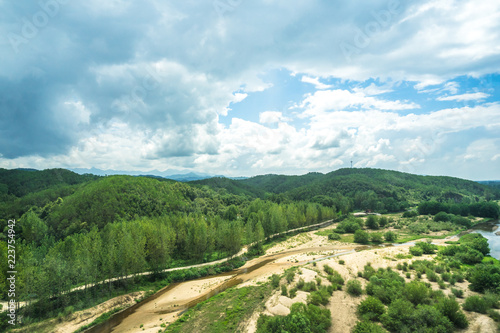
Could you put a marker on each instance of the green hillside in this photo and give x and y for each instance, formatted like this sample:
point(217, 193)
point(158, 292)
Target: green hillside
point(374, 188)
point(281, 183)
point(222, 184)
point(22, 182)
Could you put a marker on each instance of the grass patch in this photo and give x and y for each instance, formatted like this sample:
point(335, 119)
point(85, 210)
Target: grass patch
point(101, 319)
point(223, 312)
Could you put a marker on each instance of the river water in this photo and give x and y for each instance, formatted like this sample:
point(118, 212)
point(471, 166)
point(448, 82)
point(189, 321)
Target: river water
point(488, 230)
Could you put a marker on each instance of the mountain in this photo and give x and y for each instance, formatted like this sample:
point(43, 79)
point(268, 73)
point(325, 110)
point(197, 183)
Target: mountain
point(178, 175)
point(233, 186)
point(20, 182)
point(491, 183)
point(380, 187)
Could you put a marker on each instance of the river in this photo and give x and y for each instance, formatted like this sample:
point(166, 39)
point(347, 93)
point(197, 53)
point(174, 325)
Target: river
point(488, 230)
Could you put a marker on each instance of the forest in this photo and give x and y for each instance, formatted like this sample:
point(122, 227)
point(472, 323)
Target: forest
point(78, 230)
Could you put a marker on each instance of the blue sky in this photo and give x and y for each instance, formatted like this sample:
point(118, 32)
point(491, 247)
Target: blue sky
point(242, 88)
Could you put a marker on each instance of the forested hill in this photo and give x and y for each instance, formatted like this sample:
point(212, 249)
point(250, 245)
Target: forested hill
point(19, 182)
point(224, 185)
point(396, 184)
point(372, 188)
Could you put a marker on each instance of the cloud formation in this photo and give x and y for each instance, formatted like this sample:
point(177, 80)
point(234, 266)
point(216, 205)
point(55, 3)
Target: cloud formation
point(145, 85)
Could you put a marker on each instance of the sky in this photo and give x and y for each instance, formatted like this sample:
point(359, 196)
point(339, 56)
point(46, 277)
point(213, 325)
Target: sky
point(242, 88)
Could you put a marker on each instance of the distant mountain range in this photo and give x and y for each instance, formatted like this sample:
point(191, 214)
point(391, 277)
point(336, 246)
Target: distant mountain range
point(178, 175)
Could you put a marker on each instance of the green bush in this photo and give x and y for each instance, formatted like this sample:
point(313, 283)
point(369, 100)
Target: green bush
point(390, 236)
point(371, 308)
point(457, 292)
point(428, 248)
point(494, 315)
point(368, 271)
point(476, 304)
point(354, 288)
point(328, 269)
point(334, 236)
point(302, 318)
point(451, 309)
point(409, 213)
point(293, 292)
point(442, 217)
point(335, 278)
point(416, 251)
point(416, 292)
point(309, 286)
point(290, 275)
point(361, 237)
point(383, 221)
point(484, 277)
point(402, 316)
point(321, 296)
point(284, 290)
point(367, 327)
point(372, 222)
point(376, 237)
point(275, 280)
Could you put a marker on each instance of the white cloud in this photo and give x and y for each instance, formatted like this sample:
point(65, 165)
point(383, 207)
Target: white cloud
point(334, 100)
point(315, 82)
point(271, 117)
point(464, 97)
point(373, 89)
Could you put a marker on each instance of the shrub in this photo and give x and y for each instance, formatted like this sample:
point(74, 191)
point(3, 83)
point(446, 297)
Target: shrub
point(428, 248)
point(354, 288)
point(361, 237)
point(494, 315)
point(328, 269)
point(416, 251)
point(376, 237)
point(372, 222)
point(402, 316)
point(284, 290)
point(309, 286)
point(383, 221)
point(457, 292)
point(470, 256)
point(451, 309)
point(442, 217)
point(476, 304)
point(300, 284)
point(390, 236)
point(321, 296)
point(341, 262)
point(371, 308)
point(335, 278)
point(318, 281)
point(290, 275)
point(431, 275)
point(416, 292)
point(441, 284)
point(301, 319)
point(368, 271)
point(484, 277)
point(293, 293)
point(275, 280)
point(334, 236)
point(410, 213)
point(367, 327)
